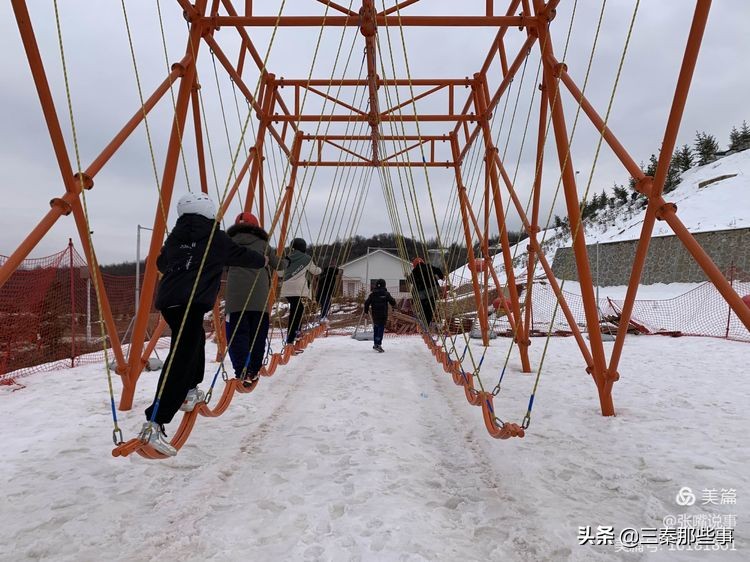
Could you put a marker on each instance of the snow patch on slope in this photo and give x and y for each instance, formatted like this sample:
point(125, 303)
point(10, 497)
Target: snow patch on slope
point(718, 205)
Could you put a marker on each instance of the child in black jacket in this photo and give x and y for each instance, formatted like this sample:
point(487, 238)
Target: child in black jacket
point(180, 261)
point(424, 281)
point(379, 300)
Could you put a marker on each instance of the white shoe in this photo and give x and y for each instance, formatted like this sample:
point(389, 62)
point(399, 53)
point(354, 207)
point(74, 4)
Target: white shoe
point(153, 434)
point(324, 320)
point(192, 398)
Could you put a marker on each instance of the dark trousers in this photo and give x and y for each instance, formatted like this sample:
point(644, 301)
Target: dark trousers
point(325, 304)
point(183, 367)
point(296, 311)
point(427, 310)
point(377, 333)
point(246, 333)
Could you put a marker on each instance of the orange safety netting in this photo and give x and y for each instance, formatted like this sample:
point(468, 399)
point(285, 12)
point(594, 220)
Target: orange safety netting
point(701, 311)
point(31, 330)
point(49, 317)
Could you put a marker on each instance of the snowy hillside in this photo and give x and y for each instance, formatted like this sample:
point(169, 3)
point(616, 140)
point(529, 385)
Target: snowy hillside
point(719, 205)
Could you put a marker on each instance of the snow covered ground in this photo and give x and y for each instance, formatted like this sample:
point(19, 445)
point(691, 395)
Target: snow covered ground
point(350, 455)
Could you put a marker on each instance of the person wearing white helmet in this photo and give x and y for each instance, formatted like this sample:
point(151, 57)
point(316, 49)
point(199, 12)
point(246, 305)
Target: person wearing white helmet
point(189, 279)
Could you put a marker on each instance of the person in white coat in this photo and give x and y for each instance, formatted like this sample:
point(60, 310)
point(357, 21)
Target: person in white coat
point(296, 286)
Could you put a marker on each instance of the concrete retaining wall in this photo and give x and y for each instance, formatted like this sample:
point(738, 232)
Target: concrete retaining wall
point(668, 261)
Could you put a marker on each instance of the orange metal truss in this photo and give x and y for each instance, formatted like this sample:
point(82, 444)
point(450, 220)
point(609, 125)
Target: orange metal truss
point(470, 104)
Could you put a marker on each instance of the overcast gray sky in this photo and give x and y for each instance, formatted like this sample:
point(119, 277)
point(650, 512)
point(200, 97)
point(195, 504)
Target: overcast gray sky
point(104, 95)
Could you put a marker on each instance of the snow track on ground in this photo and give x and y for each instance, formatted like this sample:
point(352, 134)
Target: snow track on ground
point(346, 454)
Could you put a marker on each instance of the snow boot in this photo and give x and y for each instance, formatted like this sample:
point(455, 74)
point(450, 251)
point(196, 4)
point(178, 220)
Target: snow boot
point(192, 398)
point(250, 379)
point(153, 433)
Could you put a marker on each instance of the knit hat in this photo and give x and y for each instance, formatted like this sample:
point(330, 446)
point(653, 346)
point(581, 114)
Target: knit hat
point(299, 244)
point(196, 204)
point(416, 261)
point(380, 284)
point(247, 218)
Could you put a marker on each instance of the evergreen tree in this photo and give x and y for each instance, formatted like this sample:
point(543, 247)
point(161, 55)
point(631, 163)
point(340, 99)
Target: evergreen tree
point(595, 204)
point(706, 147)
point(632, 183)
point(745, 136)
point(602, 203)
point(735, 139)
point(684, 158)
point(740, 139)
point(621, 194)
point(673, 174)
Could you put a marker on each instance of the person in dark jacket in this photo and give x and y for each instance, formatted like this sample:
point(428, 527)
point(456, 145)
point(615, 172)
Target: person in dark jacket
point(379, 300)
point(246, 302)
point(296, 285)
point(424, 282)
point(185, 252)
point(325, 289)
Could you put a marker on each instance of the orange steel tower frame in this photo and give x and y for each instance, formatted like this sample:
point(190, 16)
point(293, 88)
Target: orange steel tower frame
point(281, 120)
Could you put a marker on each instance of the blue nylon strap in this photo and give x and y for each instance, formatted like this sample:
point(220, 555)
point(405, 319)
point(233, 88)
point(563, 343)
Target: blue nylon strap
point(114, 410)
point(216, 374)
point(156, 409)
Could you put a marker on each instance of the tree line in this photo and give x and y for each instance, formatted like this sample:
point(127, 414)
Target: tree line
point(455, 254)
point(352, 248)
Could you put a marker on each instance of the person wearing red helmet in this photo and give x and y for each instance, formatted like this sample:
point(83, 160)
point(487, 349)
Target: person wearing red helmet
point(425, 288)
point(246, 304)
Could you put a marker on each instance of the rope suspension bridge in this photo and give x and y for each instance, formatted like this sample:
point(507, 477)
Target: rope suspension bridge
point(373, 117)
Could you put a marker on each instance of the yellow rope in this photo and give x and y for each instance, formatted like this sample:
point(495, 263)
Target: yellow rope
point(300, 199)
point(233, 174)
point(409, 174)
point(94, 266)
point(145, 116)
point(207, 134)
point(171, 91)
point(527, 416)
